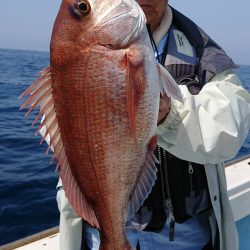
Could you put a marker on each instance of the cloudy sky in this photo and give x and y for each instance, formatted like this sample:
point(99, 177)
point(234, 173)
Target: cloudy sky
point(27, 24)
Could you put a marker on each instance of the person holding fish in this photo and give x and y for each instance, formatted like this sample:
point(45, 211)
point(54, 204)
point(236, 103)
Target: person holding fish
point(112, 85)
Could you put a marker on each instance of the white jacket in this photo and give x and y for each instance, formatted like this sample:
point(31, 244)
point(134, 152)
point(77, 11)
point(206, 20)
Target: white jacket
point(210, 128)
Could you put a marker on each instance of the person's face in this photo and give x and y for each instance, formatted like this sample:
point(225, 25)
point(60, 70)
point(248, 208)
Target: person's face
point(153, 10)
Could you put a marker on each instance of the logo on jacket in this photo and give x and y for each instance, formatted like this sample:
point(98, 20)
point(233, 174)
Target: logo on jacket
point(182, 44)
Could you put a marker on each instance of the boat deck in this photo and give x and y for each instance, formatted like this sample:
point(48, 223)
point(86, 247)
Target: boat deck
point(238, 179)
point(48, 243)
point(46, 240)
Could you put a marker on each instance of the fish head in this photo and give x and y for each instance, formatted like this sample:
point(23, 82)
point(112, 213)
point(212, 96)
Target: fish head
point(81, 24)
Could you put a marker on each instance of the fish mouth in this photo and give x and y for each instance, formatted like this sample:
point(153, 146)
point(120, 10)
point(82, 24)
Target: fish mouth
point(125, 22)
point(119, 12)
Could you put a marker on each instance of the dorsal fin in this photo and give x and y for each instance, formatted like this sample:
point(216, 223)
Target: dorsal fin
point(145, 183)
point(76, 198)
point(40, 95)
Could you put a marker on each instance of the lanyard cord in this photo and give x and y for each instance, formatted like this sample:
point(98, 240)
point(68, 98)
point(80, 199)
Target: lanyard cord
point(153, 43)
point(159, 58)
point(162, 155)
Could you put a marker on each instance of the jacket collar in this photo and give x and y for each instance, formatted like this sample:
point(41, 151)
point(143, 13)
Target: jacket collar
point(164, 26)
point(212, 58)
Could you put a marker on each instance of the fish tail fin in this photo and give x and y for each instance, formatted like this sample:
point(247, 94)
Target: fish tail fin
point(135, 86)
point(169, 85)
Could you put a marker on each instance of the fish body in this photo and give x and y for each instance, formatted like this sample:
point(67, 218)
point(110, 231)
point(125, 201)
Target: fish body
point(100, 96)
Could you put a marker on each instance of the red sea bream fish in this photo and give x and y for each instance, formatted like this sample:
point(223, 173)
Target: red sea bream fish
point(99, 99)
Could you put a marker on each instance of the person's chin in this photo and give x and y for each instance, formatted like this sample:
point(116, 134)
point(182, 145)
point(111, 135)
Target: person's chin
point(148, 13)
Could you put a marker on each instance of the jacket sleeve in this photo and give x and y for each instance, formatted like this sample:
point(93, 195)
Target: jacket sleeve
point(209, 127)
point(43, 132)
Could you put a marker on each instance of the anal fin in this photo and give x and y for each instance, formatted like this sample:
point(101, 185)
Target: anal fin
point(145, 183)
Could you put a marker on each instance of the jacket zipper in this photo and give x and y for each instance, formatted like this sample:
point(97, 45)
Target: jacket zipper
point(191, 172)
point(167, 202)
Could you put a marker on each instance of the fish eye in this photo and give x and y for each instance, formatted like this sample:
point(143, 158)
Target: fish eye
point(81, 7)
point(84, 7)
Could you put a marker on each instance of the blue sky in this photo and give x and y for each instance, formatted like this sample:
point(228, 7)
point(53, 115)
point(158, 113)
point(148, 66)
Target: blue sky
point(27, 24)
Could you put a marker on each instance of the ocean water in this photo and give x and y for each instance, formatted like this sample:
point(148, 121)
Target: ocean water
point(27, 179)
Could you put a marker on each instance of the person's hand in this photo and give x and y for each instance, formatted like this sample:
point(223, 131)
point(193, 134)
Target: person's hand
point(164, 108)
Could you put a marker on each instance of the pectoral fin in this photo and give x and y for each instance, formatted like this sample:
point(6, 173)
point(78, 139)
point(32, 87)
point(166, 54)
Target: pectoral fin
point(135, 85)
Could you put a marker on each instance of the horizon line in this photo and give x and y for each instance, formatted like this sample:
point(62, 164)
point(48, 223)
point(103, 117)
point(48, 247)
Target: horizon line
point(47, 51)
